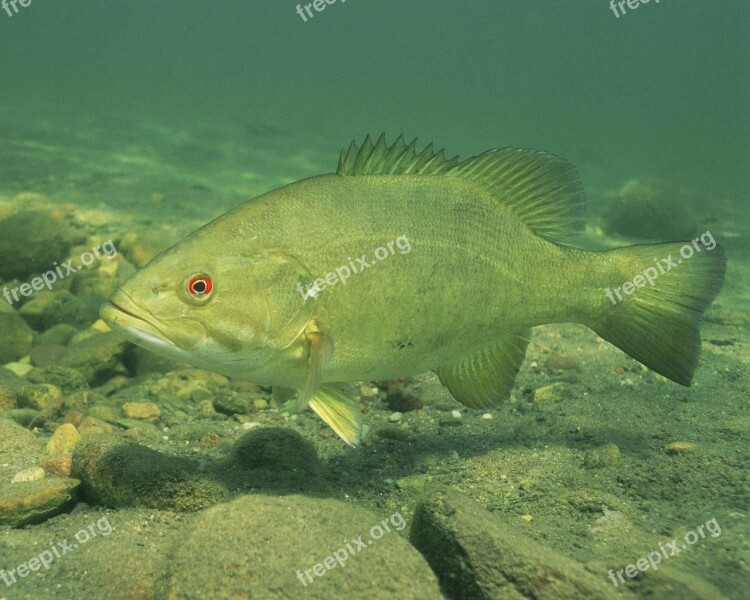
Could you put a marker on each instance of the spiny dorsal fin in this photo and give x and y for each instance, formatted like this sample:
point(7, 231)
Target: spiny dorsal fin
point(542, 189)
point(400, 159)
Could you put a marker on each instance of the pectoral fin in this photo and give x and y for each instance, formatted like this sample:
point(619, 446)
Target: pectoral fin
point(340, 411)
point(485, 379)
point(320, 353)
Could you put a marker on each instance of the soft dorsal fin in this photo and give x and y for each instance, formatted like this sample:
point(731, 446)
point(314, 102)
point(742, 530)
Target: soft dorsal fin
point(542, 189)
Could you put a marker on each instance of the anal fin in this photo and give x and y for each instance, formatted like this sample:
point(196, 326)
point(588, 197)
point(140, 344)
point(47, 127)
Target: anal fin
point(485, 379)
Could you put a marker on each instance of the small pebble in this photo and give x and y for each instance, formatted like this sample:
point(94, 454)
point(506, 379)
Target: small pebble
point(368, 392)
point(680, 448)
point(527, 518)
point(58, 465)
point(143, 411)
point(487, 416)
point(32, 474)
point(93, 426)
point(63, 439)
point(18, 368)
point(553, 391)
point(248, 425)
point(395, 417)
point(456, 414)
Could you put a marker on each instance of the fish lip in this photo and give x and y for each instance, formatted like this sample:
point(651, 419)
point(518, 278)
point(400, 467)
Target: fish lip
point(120, 312)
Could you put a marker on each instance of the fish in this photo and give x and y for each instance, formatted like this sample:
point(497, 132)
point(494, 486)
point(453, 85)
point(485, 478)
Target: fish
point(475, 253)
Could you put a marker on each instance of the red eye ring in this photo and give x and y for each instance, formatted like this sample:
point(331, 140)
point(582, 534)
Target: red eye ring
point(200, 286)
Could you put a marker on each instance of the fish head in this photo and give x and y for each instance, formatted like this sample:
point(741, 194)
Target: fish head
point(222, 310)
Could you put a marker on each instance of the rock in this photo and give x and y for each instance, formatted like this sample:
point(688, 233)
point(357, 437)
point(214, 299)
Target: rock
point(18, 368)
point(16, 335)
point(51, 308)
point(44, 355)
point(189, 384)
point(35, 501)
point(10, 384)
point(109, 555)
point(59, 334)
point(32, 474)
point(96, 282)
point(395, 417)
point(554, 391)
point(558, 361)
point(278, 459)
point(478, 556)
point(30, 242)
point(95, 357)
point(64, 439)
point(401, 401)
point(677, 448)
point(74, 418)
point(92, 426)
point(264, 564)
point(45, 397)
point(143, 362)
point(23, 416)
point(19, 448)
point(115, 472)
point(142, 245)
point(603, 456)
point(82, 400)
point(102, 412)
point(650, 209)
point(414, 484)
point(671, 583)
point(143, 411)
point(231, 403)
point(58, 465)
point(68, 380)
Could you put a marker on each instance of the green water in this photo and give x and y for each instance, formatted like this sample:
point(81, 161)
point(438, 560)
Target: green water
point(142, 114)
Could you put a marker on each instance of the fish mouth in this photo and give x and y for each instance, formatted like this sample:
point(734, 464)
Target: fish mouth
point(124, 316)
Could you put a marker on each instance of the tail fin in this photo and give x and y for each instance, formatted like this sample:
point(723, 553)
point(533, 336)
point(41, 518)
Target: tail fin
point(656, 312)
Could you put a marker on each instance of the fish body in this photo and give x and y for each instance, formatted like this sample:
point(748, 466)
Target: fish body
point(450, 264)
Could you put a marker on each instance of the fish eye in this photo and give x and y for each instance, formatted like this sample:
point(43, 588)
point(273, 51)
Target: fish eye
point(199, 286)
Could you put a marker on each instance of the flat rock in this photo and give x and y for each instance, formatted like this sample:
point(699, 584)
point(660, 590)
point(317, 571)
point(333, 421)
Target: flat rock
point(35, 501)
point(478, 556)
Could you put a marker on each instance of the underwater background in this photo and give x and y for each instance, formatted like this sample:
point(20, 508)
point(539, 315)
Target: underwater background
point(136, 122)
